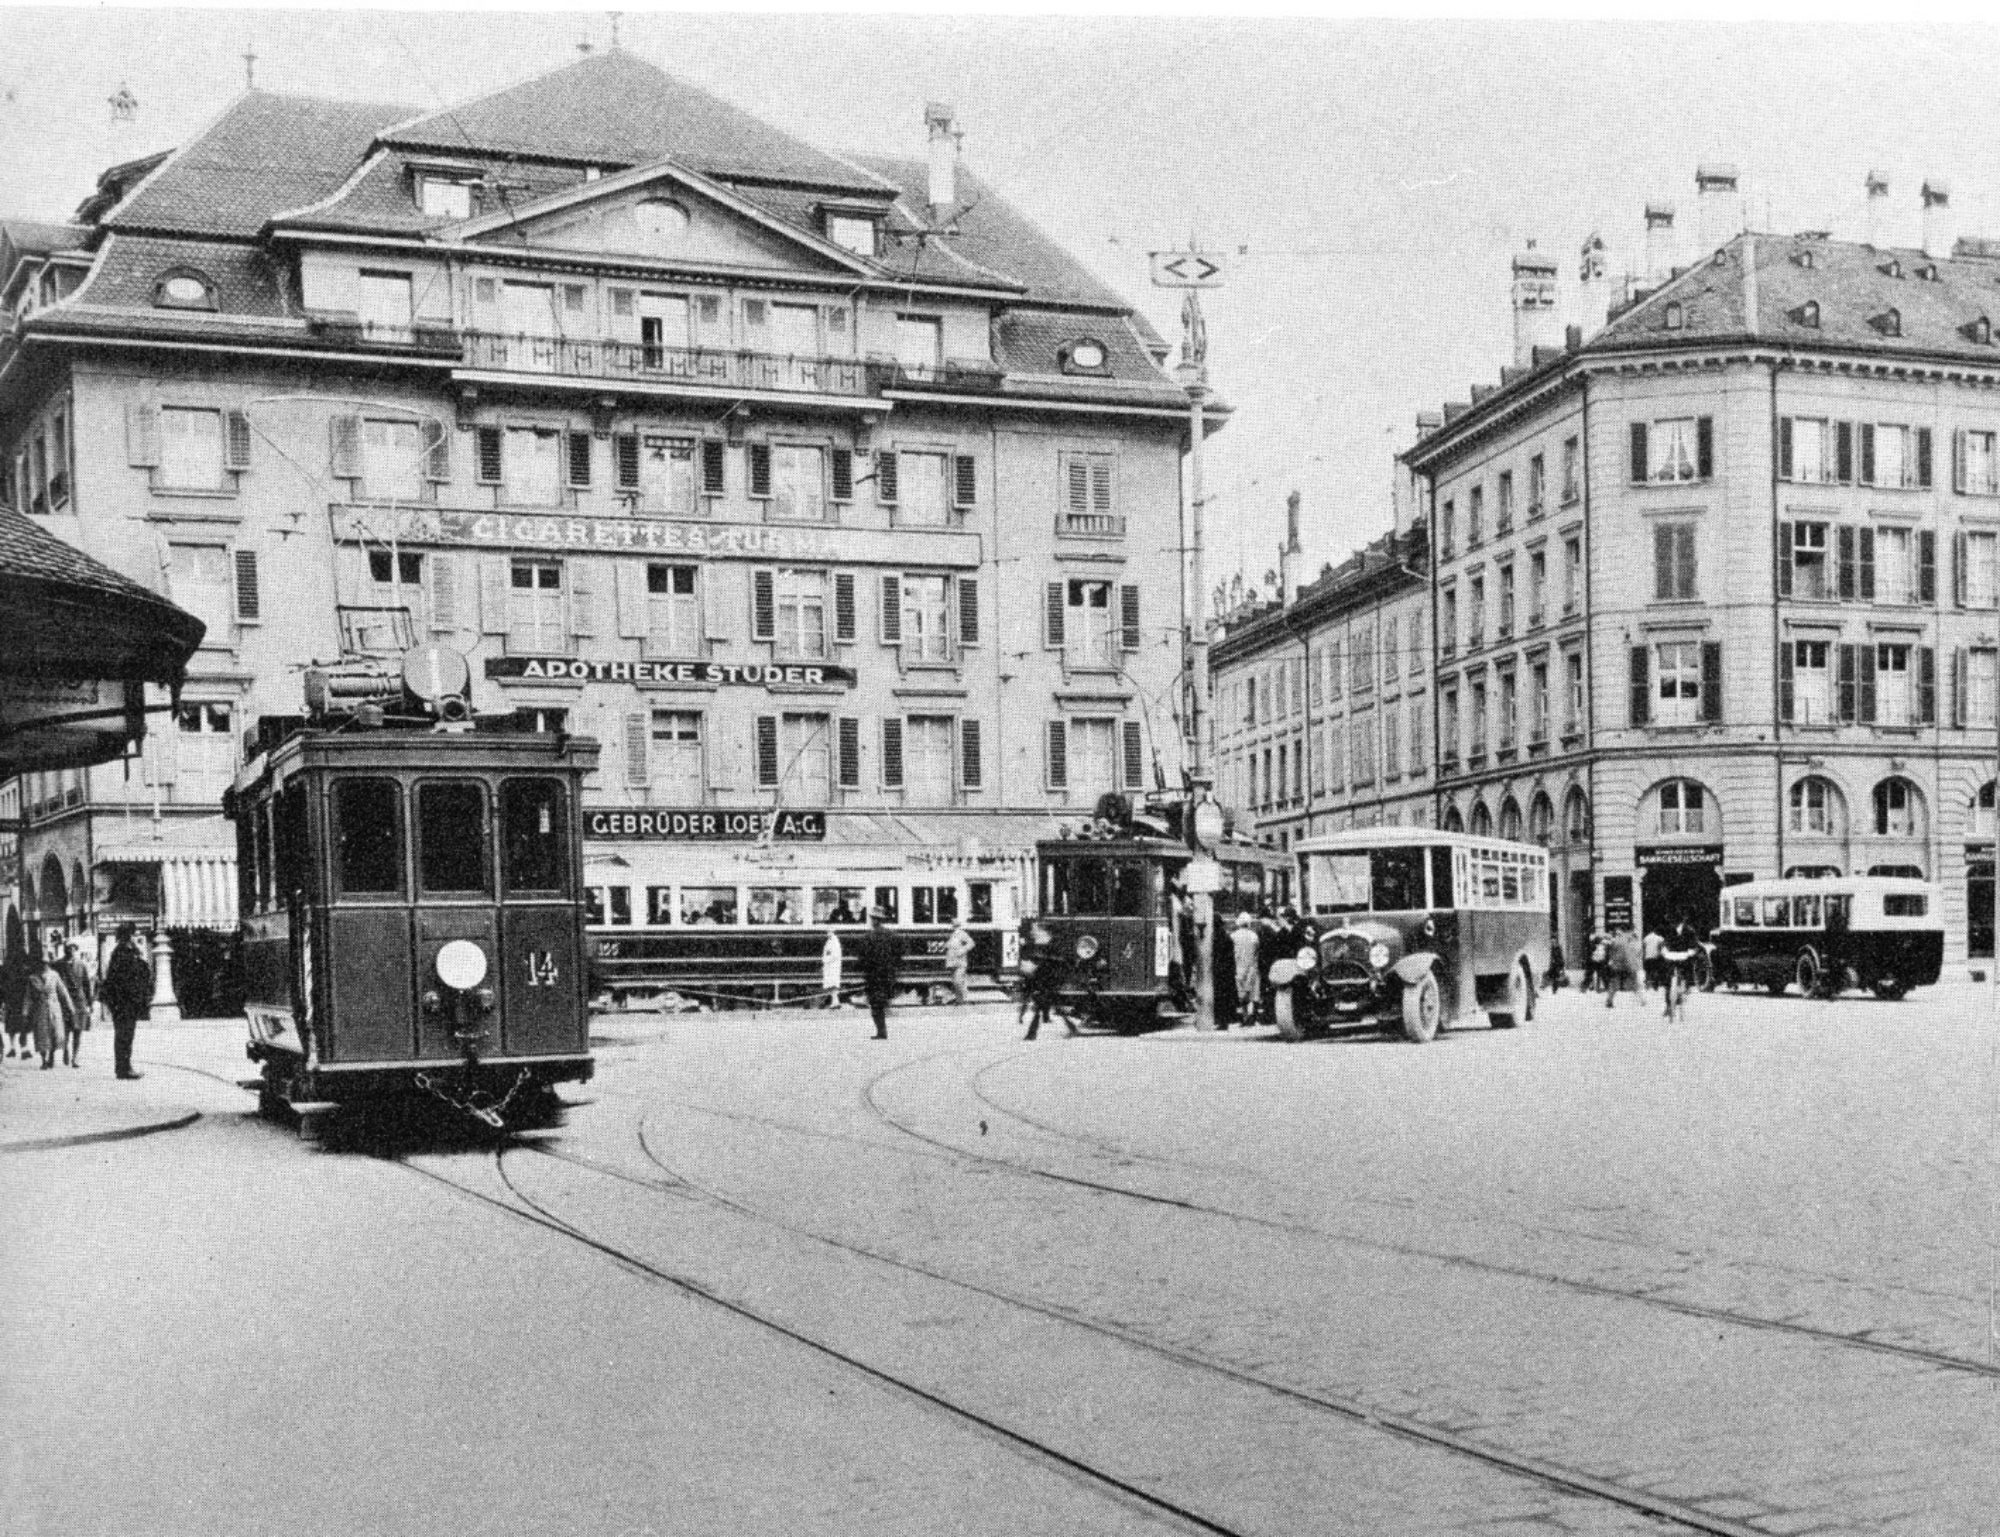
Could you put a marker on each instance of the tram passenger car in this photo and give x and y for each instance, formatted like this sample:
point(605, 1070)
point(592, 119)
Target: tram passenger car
point(732, 936)
point(1414, 930)
point(1112, 906)
point(410, 916)
point(1826, 935)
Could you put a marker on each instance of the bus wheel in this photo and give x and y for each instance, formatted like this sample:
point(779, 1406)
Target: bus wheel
point(1889, 990)
point(1285, 1014)
point(1421, 1009)
point(1519, 1008)
point(1807, 974)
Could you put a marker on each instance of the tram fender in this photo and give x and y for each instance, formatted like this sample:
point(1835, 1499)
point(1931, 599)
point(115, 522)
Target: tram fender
point(1412, 968)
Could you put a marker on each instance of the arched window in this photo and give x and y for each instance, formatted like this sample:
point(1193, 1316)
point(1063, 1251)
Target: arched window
point(184, 288)
point(662, 224)
point(1683, 808)
point(1982, 811)
point(1899, 809)
point(55, 890)
point(1576, 817)
point(1510, 820)
point(1676, 317)
point(1541, 819)
point(1816, 808)
point(1482, 821)
point(1453, 823)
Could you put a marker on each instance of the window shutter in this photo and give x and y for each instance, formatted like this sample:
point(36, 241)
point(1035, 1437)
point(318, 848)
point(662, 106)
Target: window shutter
point(885, 478)
point(346, 447)
point(632, 599)
point(1960, 668)
point(1958, 569)
point(579, 459)
point(1845, 541)
point(1052, 617)
point(1864, 539)
point(964, 480)
point(235, 440)
point(1785, 692)
point(844, 626)
point(892, 752)
point(971, 772)
point(1927, 685)
point(760, 469)
point(891, 617)
point(489, 455)
point(1926, 567)
point(714, 480)
point(1058, 755)
point(1704, 447)
point(625, 449)
point(1663, 561)
point(638, 745)
point(1923, 458)
point(1684, 560)
point(1641, 686)
point(437, 452)
point(850, 752)
point(582, 578)
point(1867, 476)
point(767, 750)
point(248, 599)
point(142, 438)
point(715, 601)
point(1958, 461)
point(1711, 680)
point(763, 605)
point(495, 575)
point(1784, 448)
point(843, 474)
point(1100, 487)
point(1846, 709)
point(1843, 452)
point(1135, 756)
point(1638, 453)
point(1865, 656)
point(968, 610)
point(1079, 487)
point(1784, 560)
point(1129, 632)
point(444, 591)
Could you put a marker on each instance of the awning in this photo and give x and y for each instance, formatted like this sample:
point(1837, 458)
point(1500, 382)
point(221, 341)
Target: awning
point(196, 890)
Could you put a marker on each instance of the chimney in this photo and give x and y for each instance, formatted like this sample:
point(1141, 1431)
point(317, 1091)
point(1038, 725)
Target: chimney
point(1537, 321)
point(1659, 243)
point(1719, 210)
point(1937, 218)
point(944, 160)
point(1875, 222)
point(1291, 555)
point(1594, 291)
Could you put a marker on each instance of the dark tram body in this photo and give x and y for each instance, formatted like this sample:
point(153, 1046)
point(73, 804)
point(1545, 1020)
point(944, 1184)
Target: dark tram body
point(411, 920)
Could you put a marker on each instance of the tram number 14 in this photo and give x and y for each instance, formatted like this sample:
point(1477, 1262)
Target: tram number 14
point(1162, 952)
point(542, 970)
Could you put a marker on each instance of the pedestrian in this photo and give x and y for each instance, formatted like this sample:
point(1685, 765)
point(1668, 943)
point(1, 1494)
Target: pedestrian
point(1654, 946)
point(1245, 941)
point(1677, 966)
point(1623, 967)
point(1594, 960)
point(1025, 963)
point(880, 955)
point(1040, 964)
point(1558, 977)
point(957, 956)
point(829, 969)
point(128, 996)
point(82, 982)
point(51, 1012)
point(14, 1000)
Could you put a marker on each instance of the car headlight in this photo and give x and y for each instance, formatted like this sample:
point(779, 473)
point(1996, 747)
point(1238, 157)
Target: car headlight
point(1086, 947)
point(1378, 956)
point(1307, 958)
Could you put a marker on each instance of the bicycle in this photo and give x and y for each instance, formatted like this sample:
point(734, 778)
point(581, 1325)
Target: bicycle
point(1677, 990)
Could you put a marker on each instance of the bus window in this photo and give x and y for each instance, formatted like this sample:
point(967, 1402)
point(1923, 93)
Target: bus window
point(1904, 904)
point(979, 898)
point(534, 836)
point(1510, 884)
point(659, 906)
point(1777, 912)
point(451, 837)
point(1805, 912)
point(621, 906)
point(367, 836)
point(839, 904)
point(1128, 887)
point(1441, 875)
point(1746, 912)
point(708, 905)
point(1838, 911)
point(776, 904)
point(1489, 884)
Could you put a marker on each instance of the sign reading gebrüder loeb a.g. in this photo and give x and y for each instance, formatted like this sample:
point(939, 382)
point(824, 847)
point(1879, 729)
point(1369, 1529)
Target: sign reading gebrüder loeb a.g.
point(576, 669)
point(606, 824)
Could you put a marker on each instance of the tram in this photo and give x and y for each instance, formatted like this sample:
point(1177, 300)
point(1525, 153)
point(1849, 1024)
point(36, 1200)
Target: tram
point(408, 887)
point(1112, 899)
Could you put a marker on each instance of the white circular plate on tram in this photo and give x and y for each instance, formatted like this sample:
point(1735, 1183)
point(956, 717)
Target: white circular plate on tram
point(461, 964)
point(434, 671)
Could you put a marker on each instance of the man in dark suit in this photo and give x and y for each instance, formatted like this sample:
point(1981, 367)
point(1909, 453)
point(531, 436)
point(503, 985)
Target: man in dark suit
point(127, 994)
point(879, 954)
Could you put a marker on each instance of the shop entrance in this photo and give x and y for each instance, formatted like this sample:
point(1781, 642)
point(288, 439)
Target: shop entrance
point(1672, 894)
point(1979, 908)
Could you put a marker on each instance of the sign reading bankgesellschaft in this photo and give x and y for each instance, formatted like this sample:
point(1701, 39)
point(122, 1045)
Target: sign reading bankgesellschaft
point(604, 824)
point(568, 669)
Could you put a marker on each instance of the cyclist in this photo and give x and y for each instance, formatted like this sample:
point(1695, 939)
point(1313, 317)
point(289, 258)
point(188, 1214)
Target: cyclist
point(1677, 956)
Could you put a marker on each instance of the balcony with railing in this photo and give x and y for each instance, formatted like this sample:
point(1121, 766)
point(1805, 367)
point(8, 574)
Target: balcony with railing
point(650, 363)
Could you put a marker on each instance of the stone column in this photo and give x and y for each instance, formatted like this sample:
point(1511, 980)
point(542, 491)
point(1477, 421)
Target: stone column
point(166, 1007)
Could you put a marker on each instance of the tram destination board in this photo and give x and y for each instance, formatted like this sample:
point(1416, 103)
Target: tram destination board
point(603, 824)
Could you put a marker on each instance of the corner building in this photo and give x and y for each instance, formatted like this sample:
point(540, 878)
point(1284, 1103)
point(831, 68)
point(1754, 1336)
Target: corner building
point(1716, 585)
point(803, 483)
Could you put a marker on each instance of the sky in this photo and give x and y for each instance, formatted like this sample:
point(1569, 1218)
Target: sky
point(1368, 180)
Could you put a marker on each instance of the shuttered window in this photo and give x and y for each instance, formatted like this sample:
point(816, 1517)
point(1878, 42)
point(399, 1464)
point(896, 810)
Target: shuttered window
point(249, 600)
point(767, 750)
point(886, 484)
point(891, 620)
point(625, 449)
point(964, 480)
point(850, 752)
point(713, 478)
point(968, 611)
point(1052, 617)
point(1129, 634)
point(490, 460)
point(843, 475)
point(578, 459)
point(843, 606)
point(1134, 756)
point(892, 753)
point(971, 770)
point(1057, 760)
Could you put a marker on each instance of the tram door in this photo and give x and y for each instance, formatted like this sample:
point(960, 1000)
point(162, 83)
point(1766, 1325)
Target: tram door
point(1672, 894)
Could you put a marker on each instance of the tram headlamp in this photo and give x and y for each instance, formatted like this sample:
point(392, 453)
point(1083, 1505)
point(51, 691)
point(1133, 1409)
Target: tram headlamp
point(1307, 958)
point(1086, 947)
point(483, 1000)
point(433, 1001)
point(1378, 956)
point(461, 965)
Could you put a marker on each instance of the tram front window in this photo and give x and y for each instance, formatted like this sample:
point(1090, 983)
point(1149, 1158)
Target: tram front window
point(1128, 888)
point(980, 898)
point(367, 836)
point(451, 837)
point(534, 836)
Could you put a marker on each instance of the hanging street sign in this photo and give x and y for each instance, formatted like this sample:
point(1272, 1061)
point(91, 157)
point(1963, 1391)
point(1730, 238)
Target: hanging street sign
point(1187, 269)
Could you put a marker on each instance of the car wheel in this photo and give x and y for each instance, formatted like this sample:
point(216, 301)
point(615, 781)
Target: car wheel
point(1807, 974)
point(1519, 1007)
point(1286, 1014)
point(1422, 1009)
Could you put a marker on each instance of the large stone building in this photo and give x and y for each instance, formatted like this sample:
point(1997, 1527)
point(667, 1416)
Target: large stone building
point(800, 481)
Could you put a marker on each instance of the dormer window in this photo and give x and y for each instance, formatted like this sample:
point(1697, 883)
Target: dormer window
point(1805, 259)
point(1889, 322)
point(1807, 314)
point(1085, 355)
point(851, 232)
point(1891, 268)
point(662, 224)
point(183, 288)
point(1676, 317)
point(1980, 331)
point(444, 197)
point(1928, 272)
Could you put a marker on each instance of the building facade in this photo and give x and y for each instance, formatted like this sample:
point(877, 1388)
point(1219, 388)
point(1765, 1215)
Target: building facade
point(802, 483)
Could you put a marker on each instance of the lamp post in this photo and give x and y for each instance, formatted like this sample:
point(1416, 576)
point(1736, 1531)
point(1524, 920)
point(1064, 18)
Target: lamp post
point(1193, 375)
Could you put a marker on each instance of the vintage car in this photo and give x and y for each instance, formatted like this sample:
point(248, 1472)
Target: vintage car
point(1414, 929)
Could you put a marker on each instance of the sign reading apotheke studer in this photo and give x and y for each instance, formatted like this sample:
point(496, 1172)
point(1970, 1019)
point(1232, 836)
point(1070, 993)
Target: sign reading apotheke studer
point(568, 669)
point(606, 824)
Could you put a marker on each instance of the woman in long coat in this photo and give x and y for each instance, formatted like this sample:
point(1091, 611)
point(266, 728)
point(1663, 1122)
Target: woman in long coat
point(52, 1013)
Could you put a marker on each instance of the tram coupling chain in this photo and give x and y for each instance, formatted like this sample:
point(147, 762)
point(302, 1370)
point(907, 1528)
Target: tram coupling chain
point(477, 1103)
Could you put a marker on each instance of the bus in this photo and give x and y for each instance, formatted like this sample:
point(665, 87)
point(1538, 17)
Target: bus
point(1827, 934)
